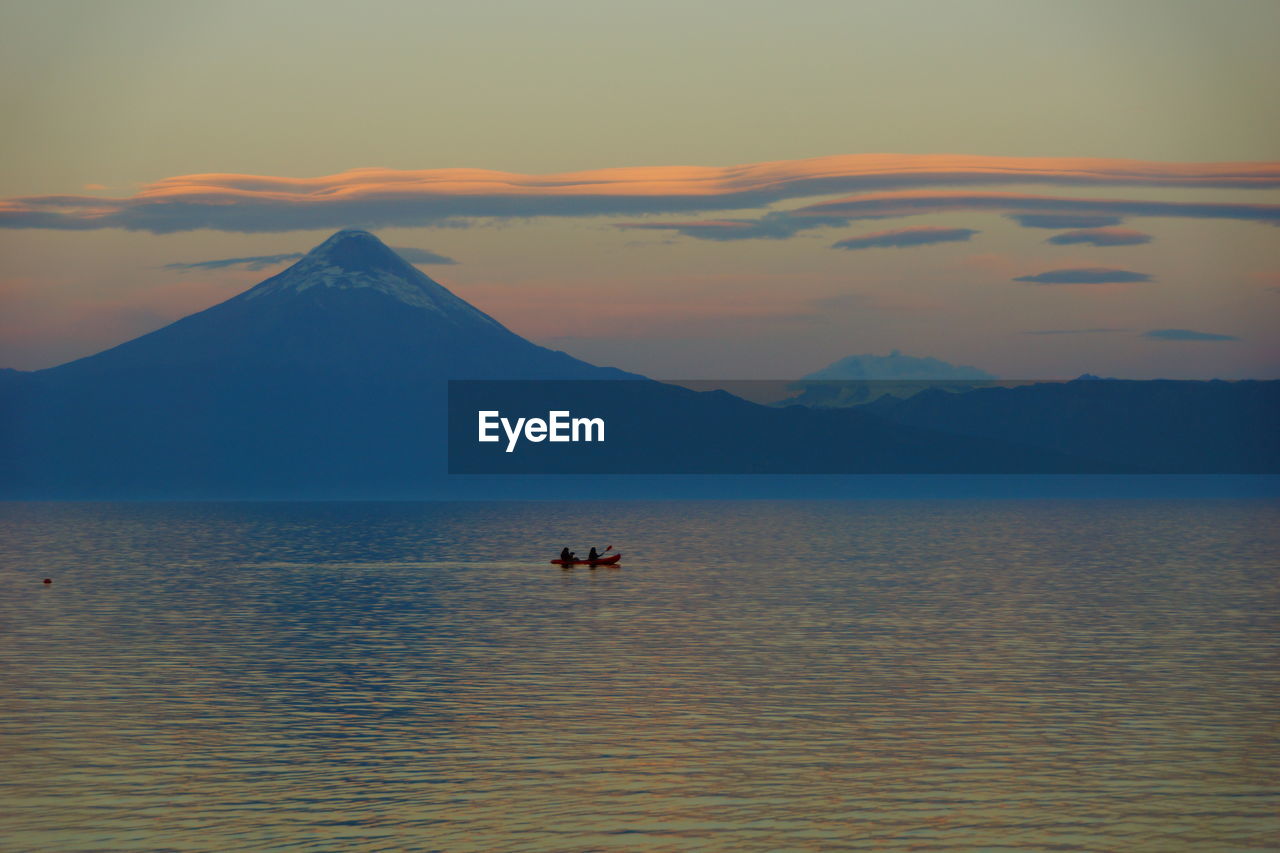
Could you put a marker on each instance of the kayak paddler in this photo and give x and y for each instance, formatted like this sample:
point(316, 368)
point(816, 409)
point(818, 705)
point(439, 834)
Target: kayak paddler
point(594, 555)
point(566, 556)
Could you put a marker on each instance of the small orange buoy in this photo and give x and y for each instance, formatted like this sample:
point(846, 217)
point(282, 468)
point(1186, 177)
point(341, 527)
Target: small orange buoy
point(48, 580)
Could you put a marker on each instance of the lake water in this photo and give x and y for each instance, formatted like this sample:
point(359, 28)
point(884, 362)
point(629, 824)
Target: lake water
point(887, 675)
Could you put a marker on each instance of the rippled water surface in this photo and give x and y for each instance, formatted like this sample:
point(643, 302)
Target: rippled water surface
point(1024, 675)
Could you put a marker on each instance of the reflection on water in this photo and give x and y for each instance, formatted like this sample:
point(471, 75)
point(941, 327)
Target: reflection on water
point(886, 675)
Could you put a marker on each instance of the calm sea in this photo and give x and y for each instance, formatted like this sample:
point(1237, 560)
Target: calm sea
point(887, 675)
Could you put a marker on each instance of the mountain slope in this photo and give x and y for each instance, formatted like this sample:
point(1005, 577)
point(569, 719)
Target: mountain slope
point(350, 305)
point(326, 379)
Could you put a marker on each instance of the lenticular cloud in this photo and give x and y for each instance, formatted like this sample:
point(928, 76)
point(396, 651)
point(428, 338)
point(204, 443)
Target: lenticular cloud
point(389, 197)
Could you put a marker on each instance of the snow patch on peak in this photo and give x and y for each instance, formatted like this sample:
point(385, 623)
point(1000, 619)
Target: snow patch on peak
point(344, 235)
point(351, 260)
point(317, 272)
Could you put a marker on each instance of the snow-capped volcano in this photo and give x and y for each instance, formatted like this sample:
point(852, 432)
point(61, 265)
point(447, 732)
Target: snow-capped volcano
point(350, 306)
point(354, 260)
point(328, 378)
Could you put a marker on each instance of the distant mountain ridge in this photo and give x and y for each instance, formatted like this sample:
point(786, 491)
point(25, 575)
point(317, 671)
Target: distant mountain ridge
point(895, 365)
point(1152, 425)
point(858, 379)
point(329, 380)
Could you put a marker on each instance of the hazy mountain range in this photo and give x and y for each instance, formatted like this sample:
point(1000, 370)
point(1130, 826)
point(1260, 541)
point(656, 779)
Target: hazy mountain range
point(895, 365)
point(329, 380)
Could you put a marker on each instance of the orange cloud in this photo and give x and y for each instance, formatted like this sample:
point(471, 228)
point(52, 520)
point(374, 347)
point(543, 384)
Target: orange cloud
point(1027, 210)
point(378, 197)
point(912, 203)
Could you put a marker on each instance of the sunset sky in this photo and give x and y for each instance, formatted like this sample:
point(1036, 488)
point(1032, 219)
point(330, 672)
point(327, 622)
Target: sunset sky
point(726, 190)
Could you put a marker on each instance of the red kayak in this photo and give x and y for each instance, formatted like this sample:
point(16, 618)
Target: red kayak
point(598, 561)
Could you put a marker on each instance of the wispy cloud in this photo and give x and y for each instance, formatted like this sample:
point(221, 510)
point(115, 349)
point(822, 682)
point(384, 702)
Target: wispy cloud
point(1064, 220)
point(1101, 237)
point(422, 256)
point(1097, 331)
point(916, 203)
point(387, 197)
point(260, 262)
point(906, 237)
point(1186, 335)
point(1093, 211)
point(772, 226)
point(1085, 275)
point(1270, 279)
point(257, 262)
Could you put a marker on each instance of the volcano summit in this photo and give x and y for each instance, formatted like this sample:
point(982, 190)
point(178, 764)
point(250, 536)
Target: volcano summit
point(326, 379)
point(351, 306)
